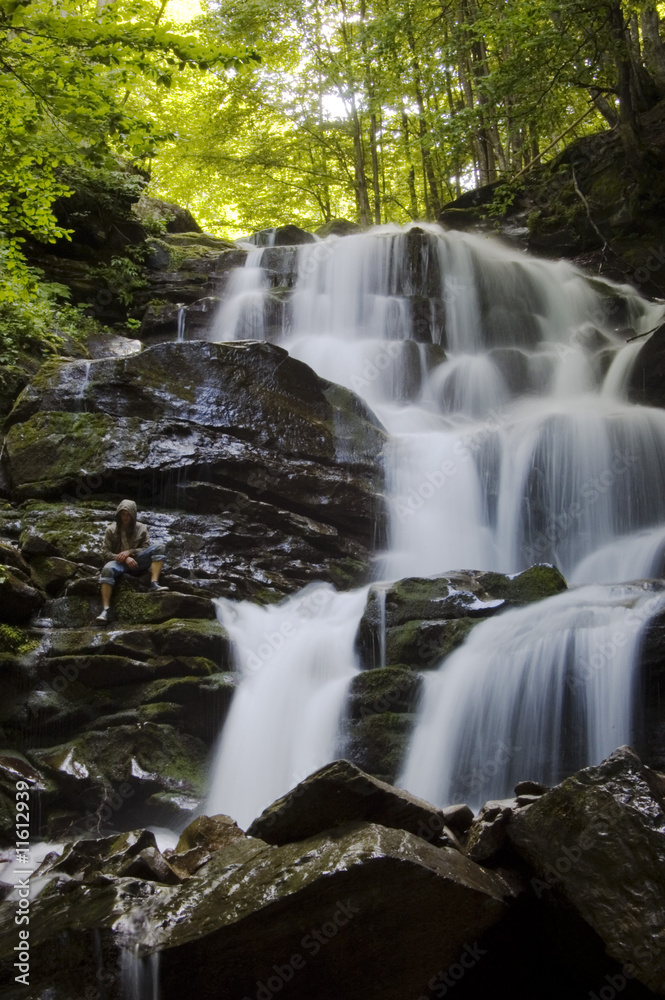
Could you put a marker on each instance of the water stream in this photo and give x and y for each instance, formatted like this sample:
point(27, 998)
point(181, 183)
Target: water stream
point(517, 446)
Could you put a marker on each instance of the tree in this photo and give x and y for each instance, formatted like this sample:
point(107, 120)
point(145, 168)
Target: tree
point(67, 75)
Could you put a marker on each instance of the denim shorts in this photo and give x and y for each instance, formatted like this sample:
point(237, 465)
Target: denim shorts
point(112, 571)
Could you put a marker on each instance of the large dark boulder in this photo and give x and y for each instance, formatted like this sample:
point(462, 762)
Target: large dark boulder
point(340, 793)
point(647, 376)
point(154, 211)
point(242, 417)
point(18, 599)
point(370, 912)
point(419, 620)
point(282, 236)
point(338, 227)
point(598, 841)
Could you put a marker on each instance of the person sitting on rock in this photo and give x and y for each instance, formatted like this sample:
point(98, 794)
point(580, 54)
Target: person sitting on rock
point(127, 549)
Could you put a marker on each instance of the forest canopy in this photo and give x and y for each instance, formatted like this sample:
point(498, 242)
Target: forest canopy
point(384, 110)
point(255, 113)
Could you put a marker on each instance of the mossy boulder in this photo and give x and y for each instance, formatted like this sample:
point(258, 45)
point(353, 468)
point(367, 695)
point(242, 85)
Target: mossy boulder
point(176, 637)
point(210, 832)
point(341, 793)
point(378, 743)
point(154, 211)
point(420, 620)
point(240, 431)
point(360, 914)
point(131, 763)
point(19, 601)
point(338, 227)
point(424, 644)
point(607, 822)
point(391, 689)
point(282, 236)
point(51, 574)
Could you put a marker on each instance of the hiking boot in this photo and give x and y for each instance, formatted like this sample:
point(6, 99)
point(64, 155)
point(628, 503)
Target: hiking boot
point(104, 616)
point(157, 586)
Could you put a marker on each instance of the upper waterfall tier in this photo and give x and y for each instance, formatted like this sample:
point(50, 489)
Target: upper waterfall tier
point(518, 445)
point(461, 292)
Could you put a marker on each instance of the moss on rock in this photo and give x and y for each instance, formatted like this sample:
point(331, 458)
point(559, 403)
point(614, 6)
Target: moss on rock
point(378, 743)
point(393, 689)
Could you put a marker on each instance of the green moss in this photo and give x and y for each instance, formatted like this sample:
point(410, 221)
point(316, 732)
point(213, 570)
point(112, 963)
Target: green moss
point(183, 247)
point(608, 188)
point(111, 756)
point(16, 640)
point(424, 644)
point(534, 584)
point(347, 573)
point(378, 743)
point(394, 689)
point(53, 447)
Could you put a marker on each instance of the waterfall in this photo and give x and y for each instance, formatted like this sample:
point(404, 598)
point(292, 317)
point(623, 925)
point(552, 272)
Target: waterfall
point(295, 661)
point(501, 380)
point(530, 695)
point(139, 976)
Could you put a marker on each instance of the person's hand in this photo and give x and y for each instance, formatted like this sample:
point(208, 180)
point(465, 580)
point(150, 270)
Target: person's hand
point(123, 557)
point(131, 562)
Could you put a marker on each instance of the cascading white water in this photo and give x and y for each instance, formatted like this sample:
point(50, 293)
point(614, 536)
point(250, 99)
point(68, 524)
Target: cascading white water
point(517, 446)
point(295, 661)
point(530, 695)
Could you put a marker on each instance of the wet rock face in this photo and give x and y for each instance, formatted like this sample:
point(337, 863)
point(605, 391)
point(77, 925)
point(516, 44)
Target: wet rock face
point(410, 626)
point(367, 912)
point(225, 414)
point(257, 476)
point(598, 841)
point(651, 726)
point(361, 909)
point(114, 724)
point(342, 793)
point(425, 619)
point(251, 549)
point(647, 377)
point(281, 236)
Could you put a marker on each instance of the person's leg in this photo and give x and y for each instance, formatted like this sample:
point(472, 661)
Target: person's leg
point(107, 577)
point(153, 558)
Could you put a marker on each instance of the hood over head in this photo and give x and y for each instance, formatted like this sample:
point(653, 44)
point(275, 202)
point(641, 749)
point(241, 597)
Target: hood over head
point(129, 506)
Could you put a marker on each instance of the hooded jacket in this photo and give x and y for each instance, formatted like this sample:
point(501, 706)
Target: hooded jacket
point(134, 538)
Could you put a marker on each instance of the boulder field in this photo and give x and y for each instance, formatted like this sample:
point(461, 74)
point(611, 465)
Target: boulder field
point(350, 888)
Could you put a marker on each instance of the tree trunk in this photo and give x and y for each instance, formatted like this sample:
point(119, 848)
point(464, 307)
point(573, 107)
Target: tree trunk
point(653, 48)
point(362, 195)
point(411, 178)
point(375, 168)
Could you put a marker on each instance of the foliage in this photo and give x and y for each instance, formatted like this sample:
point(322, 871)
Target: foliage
point(384, 111)
point(36, 319)
point(123, 275)
point(67, 116)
